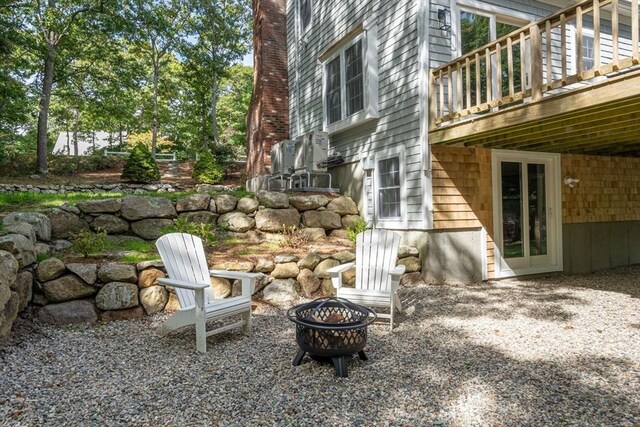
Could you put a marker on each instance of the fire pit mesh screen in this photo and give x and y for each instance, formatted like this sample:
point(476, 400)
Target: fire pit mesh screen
point(332, 328)
point(331, 339)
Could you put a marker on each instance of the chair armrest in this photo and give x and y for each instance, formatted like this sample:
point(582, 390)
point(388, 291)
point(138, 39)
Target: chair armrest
point(182, 284)
point(395, 274)
point(339, 269)
point(336, 274)
point(248, 280)
point(233, 274)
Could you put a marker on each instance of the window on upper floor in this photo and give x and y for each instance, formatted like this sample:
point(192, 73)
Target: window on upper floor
point(345, 96)
point(351, 82)
point(305, 11)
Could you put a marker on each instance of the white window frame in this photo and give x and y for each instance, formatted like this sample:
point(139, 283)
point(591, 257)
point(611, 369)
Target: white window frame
point(401, 221)
point(303, 30)
point(574, 48)
point(554, 213)
point(494, 13)
point(369, 38)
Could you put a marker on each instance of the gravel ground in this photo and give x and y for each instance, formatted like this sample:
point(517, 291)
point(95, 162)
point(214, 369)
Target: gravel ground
point(563, 350)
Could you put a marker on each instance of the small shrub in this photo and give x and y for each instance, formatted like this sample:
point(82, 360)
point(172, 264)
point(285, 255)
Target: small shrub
point(293, 237)
point(206, 170)
point(63, 165)
point(360, 226)
point(223, 154)
point(89, 243)
point(140, 166)
point(204, 231)
point(13, 163)
point(98, 162)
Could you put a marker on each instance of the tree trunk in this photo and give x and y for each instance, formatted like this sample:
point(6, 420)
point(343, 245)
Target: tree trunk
point(154, 128)
point(93, 140)
point(203, 112)
point(121, 140)
point(42, 166)
point(76, 124)
point(66, 128)
point(214, 107)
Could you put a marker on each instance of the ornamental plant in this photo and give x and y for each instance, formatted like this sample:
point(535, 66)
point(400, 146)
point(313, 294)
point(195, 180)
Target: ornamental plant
point(140, 166)
point(360, 226)
point(206, 170)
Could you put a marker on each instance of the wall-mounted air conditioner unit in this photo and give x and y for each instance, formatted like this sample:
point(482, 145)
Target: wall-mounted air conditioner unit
point(283, 155)
point(311, 149)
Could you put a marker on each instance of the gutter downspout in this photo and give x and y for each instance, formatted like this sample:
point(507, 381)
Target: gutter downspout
point(424, 13)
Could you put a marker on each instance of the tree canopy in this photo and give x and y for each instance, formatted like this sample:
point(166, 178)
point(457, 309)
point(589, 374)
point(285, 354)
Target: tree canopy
point(165, 69)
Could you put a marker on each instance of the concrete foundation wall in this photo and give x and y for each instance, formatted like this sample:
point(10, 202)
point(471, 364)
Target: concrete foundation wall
point(453, 256)
point(589, 247)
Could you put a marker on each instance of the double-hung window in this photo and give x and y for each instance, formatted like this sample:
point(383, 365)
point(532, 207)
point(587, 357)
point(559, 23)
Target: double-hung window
point(345, 98)
point(351, 81)
point(389, 200)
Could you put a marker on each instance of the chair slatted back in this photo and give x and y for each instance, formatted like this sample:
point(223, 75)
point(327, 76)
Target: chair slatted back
point(184, 258)
point(376, 255)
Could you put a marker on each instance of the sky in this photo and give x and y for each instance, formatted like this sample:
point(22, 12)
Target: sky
point(248, 59)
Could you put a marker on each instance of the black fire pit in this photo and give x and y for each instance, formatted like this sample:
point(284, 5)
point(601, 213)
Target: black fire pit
point(331, 329)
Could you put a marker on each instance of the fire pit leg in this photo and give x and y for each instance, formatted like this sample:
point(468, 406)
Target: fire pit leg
point(340, 365)
point(362, 355)
point(298, 359)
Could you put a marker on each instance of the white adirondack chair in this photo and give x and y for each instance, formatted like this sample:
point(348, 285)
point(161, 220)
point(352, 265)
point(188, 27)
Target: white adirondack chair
point(377, 276)
point(184, 258)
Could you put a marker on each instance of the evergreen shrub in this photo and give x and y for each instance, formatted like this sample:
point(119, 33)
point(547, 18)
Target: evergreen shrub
point(140, 166)
point(206, 170)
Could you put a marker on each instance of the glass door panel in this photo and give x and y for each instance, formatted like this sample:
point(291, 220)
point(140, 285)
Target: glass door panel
point(524, 210)
point(512, 237)
point(537, 209)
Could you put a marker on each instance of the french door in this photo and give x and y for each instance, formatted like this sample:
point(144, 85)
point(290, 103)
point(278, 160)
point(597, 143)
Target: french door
point(527, 213)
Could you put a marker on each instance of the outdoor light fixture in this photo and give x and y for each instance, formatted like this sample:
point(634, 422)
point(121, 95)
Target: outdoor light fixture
point(444, 19)
point(571, 182)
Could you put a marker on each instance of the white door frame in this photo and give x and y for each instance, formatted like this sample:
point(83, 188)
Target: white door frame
point(553, 211)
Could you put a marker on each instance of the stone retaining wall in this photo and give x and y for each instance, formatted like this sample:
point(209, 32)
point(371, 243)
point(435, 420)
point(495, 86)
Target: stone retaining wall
point(147, 217)
point(79, 292)
point(75, 292)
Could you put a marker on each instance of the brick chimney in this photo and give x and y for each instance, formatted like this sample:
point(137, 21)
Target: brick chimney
point(268, 117)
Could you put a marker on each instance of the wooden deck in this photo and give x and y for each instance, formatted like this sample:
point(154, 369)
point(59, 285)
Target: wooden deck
point(477, 100)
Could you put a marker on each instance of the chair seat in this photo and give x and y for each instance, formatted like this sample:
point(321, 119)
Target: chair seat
point(224, 306)
point(368, 297)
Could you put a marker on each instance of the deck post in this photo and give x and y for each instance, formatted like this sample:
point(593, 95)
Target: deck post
point(536, 64)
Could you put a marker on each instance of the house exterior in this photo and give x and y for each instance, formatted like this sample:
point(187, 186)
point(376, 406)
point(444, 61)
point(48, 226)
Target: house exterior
point(500, 137)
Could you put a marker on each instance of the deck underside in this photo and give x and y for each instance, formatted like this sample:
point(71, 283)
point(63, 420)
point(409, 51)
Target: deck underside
point(598, 118)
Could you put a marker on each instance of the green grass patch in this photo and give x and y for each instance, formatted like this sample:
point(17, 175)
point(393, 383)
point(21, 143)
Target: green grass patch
point(40, 201)
point(134, 258)
point(132, 245)
point(27, 200)
point(233, 241)
point(42, 257)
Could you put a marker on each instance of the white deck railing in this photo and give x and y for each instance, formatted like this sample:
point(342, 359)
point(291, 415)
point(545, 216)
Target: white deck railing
point(534, 60)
